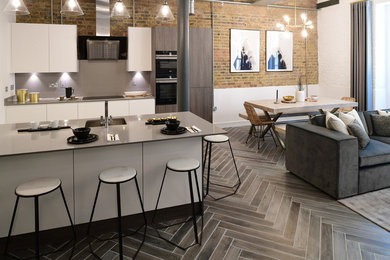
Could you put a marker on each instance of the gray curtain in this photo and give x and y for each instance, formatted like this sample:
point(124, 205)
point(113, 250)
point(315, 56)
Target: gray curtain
point(361, 54)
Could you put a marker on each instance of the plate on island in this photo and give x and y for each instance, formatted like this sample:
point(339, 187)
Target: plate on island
point(74, 140)
point(180, 130)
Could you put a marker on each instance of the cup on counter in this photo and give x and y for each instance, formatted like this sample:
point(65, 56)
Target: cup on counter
point(54, 124)
point(22, 95)
point(34, 125)
point(66, 122)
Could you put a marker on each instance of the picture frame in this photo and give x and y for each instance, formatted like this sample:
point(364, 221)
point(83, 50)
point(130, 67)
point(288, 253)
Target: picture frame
point(244, 51)
point(279, 51)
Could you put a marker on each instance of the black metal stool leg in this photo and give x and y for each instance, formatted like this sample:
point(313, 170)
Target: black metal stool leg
point(144, 215)
point(235, 165)
point(120, 239)
point(36, 209)
point(197, 188)
point(159, 195)
point(205, 155)
point(12, 224)
point(208, 170)
point(93, 208)
point(67, 210)
point(193, 207)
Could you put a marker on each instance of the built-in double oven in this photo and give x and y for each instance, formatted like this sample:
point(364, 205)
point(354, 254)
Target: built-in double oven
point(166, 77)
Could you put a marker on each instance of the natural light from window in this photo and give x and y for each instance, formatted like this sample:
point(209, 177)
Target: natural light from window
point(381, 44)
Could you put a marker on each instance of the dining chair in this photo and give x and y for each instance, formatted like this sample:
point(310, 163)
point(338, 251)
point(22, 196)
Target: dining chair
point(258, 122)
point(346, 109)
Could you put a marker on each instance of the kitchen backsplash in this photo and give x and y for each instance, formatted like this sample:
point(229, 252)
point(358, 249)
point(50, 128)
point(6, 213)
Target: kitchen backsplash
point(95, 78)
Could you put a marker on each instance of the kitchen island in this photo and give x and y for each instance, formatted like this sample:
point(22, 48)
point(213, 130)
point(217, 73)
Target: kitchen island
point(26, 156)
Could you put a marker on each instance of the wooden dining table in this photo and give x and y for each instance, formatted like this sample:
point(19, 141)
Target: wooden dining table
point(277, 109)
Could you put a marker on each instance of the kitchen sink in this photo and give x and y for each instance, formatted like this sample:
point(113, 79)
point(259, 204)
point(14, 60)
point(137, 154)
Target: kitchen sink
point(102, 97)
point(97, 123)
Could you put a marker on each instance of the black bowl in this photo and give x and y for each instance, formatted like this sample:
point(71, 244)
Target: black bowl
point(81, 133)
point(172, 125)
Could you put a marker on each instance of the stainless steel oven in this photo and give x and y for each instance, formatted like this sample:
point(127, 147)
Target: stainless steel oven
point(166, 91)
point(166, 64)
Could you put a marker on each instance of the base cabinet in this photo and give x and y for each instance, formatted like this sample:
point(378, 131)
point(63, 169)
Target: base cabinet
point(80, 110)
point(25, 113)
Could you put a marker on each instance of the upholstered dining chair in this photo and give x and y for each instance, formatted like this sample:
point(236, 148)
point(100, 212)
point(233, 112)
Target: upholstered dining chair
point(346, 109)
point(258, 122)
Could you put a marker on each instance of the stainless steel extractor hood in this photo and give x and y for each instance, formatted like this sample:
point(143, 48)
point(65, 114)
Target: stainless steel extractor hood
point(103, 17)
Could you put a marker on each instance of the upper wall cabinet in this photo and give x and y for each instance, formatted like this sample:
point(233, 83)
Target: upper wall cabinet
point(139, 49)
point(30, 48)
point(44, 48)
point(63, 48)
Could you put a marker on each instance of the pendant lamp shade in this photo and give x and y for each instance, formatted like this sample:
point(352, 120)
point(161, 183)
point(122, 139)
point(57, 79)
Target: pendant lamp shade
point(120, 10)
point(165, 13)
point(16, 6)
point(71, 8)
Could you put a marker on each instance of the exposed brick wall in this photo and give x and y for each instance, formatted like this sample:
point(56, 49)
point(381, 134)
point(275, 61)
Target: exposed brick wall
point(226, 16)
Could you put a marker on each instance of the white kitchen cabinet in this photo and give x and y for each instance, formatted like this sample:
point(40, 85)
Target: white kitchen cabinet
point(142, 106)
point(30, 45)
point(62, 111)
point(90, 109)
point(63, 48)
point(44, 48)
point(118, 108)
point(25, 113)
point(139, 56)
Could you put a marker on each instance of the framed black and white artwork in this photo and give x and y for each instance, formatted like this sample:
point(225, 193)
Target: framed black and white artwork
point(244, 50)
point(279, 54)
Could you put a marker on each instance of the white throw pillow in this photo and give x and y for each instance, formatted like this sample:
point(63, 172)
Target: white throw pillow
point(383, 113)
point(335, 123)
point(347, 118)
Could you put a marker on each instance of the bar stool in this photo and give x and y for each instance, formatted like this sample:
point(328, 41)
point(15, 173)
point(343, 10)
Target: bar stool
point(182, 165)
point(216, 139)
point(35, 189)
point(118, 176)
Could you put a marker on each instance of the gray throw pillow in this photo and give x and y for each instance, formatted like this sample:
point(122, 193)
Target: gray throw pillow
point(358, 131)
point(381, 125)
point(318, 120)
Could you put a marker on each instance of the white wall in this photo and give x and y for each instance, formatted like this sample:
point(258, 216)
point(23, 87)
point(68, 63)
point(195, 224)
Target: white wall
point(6, 78)
point(334, 50)
point(230, 101)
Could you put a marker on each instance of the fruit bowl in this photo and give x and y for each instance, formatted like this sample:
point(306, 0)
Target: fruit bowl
point(288, 98)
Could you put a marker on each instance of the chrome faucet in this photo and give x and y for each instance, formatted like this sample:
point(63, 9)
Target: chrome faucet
point(107, 120)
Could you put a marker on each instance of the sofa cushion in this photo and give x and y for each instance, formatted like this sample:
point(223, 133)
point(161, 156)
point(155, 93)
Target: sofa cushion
point(367, 117)
point(318, 120)
point(381, 125)
point(357, 130)
point(335, 123)
point(382, 139)
point(375, 153)
point(350, 117)
point(362, 118)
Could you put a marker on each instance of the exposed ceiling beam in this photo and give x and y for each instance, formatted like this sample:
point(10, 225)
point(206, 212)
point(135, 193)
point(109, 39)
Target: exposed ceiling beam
point(327, 3)
point(266, 3)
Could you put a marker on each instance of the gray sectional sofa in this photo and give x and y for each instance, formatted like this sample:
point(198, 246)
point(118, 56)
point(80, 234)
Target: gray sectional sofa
point(333, 162)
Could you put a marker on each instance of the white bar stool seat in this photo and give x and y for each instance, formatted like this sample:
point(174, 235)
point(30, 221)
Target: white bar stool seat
point(37, 187)
point(216, 138)
point(118, 175)
point(183, 164)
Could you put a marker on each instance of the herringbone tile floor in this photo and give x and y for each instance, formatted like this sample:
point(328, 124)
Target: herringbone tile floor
point(274, 215)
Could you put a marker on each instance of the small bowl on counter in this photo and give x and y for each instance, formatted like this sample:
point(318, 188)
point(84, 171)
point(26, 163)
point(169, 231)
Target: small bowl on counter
point(172, 124)
point(82, 133)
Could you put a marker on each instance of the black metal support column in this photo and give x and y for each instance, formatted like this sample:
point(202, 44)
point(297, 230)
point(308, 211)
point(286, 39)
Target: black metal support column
point(183, 39)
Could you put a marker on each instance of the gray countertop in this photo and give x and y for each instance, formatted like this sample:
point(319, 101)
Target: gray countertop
point(12, 101)
point(135, 131)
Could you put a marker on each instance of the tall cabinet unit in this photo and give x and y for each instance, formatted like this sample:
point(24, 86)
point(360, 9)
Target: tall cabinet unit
point(201, 68)
point(43, 48)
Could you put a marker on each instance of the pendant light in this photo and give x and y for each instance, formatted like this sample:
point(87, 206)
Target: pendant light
point(16, 6)
point(165, 13)
point(71, 8)
point(120, 10)
point(304, 26)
